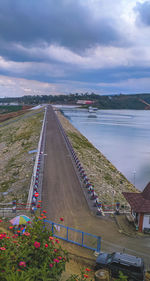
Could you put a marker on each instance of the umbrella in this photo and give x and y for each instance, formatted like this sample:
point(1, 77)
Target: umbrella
point(22, 219)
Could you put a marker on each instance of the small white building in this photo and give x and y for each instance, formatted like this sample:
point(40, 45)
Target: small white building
point(140, 207)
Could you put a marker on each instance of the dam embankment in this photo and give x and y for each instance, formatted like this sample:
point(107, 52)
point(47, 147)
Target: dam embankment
point(108, 181)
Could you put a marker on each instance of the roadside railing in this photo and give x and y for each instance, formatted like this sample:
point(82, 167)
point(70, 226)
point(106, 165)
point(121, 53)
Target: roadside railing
point(74, 236)
point(10, 210)
point(36, 179)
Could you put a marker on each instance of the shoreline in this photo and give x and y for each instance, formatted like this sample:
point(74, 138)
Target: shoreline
point(109, 183)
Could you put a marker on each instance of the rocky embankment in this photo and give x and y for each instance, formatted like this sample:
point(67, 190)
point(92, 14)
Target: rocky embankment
point(108, 181)
point(17, 137)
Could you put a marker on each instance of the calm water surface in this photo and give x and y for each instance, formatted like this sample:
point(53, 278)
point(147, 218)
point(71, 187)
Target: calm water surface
point(123, 136)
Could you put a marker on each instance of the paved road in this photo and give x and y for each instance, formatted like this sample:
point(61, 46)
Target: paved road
point(63, 197)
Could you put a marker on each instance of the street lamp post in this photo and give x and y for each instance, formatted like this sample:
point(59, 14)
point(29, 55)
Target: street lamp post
point(134, 174)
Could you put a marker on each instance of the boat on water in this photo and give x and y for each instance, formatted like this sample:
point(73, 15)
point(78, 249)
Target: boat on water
point(92, 109)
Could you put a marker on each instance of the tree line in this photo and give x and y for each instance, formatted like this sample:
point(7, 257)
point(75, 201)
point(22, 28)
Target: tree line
point(121, 101)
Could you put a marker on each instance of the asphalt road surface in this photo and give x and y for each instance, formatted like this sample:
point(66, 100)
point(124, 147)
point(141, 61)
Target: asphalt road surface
point(62, 196)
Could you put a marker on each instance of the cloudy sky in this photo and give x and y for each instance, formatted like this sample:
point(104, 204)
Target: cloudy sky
point(63, 46)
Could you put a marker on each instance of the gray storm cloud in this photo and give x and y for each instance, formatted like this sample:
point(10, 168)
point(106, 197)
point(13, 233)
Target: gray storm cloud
point(69, 43)
point(67, 23)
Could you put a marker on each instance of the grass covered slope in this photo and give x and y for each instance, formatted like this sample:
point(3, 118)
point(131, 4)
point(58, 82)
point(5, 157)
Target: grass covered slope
point(102, 174)
point(10, 111)
point(17, 137)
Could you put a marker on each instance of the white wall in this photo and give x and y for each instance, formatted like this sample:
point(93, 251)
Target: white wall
point(146, 221)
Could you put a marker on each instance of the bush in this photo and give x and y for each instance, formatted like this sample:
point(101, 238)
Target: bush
point(33, 256)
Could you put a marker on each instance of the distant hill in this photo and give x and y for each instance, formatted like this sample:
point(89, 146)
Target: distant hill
point(135, 101)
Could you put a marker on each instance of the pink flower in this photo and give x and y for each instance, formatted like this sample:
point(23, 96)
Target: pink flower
point(1, 221)
point(51, 265)
point(61, 219)
point(57, 241)
point(26, 233)
point(22, 264)
point(2, 235)
point(44, 211)
point(55, 250)
point(46, 245)
point(60, 258)
point(2, 248)
point(56, 260)
point(37, 244)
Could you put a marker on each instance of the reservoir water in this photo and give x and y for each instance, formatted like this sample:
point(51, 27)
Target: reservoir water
point(123, 136)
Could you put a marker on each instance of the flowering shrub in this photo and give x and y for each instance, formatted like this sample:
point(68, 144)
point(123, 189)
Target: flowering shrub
point(33, 256)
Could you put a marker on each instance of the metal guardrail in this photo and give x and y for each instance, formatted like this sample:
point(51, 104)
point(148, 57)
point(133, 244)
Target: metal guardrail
point(40, 144)
point(8, 212)
point(74, 236)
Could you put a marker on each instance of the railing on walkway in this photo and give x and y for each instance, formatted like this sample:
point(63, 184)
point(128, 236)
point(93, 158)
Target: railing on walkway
point(74, 236)
point(111, 209)
point(12, 209)
point(36, 179)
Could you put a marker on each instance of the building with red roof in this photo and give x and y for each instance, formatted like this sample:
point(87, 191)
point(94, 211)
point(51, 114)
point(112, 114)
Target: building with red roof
point(140, 207)
point(85, 102)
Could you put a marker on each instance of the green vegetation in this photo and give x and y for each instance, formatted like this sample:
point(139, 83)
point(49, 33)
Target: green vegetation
point(132, 101)
point(34, 256)
point(10, 164)
point(6, 184)
point(80, 142)
point(108, 178)
point(9, 108)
